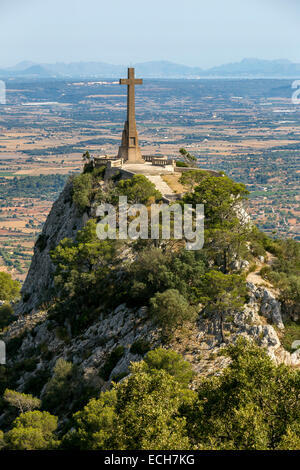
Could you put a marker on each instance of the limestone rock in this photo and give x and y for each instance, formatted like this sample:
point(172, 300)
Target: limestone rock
point(63, 221)
point(270, 308)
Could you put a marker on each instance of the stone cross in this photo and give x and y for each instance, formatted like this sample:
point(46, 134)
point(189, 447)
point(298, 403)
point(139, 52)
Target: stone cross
point(129, 149)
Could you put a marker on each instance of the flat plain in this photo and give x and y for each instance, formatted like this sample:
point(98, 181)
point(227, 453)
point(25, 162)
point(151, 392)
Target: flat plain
point(248, 128)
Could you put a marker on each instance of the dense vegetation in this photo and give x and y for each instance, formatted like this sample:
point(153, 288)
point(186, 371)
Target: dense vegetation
point(41, 187)
point(162, 272)
point(86, 189)
point(9, 291)
point(9, 288)
point(284, 273)
point(254, 404)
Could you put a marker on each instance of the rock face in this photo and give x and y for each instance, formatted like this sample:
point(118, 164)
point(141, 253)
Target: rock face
point(63, 221)
point(123, 327)
point(270, 308)
point(43, 341)
point(204, 348)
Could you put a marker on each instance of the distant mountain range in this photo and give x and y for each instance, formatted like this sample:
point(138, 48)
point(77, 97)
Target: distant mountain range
point(246, 68)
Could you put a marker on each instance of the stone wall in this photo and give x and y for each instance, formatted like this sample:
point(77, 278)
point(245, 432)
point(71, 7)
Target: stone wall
point(182, 169)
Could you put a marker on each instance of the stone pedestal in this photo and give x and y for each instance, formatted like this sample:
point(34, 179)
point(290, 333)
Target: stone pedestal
point(130, 150)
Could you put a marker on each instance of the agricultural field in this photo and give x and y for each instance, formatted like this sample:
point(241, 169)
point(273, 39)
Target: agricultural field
point(248, 128)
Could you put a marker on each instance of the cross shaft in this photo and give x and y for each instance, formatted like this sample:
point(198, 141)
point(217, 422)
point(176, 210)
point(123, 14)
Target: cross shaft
point(129, 149)
point(131, 81)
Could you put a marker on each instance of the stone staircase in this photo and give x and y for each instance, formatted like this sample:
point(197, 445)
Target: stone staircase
point(162, 186)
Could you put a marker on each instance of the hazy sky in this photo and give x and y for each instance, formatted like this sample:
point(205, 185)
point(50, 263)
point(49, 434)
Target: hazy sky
point(192, 32)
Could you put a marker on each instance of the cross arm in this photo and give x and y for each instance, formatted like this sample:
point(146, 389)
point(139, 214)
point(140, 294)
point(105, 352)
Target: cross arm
point(128, 81)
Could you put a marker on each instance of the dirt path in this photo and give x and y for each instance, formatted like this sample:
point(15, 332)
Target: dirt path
point(256, 278)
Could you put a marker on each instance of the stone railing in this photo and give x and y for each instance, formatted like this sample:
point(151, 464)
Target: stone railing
point(108, 161)
point(158, 160)
point(163, 161)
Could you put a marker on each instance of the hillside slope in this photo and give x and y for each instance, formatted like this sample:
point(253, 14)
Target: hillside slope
point(101, 305)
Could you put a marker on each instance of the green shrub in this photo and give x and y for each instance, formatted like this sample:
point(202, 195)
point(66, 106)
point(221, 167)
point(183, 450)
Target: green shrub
point(257, 249)
point(192, 177)
point(271, 245)
point(265, 271)
point(141, 346)
point(98, 173)
point(21, 401)
point(170, 309)
point(254, 404)
point(141, 412)
point(33, 430)
point(45, 352)
point(83, 266)
point(220, 197)
point(291, 333)
point(9, 288)
point(156, 271)
point(171, 362)
point(116, 378)
point(191, 160)
point(138, 189)
point(6, 315)
point(290, 294)
point(2, 442)
point(82, 191)
point(252, 268)
point(58, 389)
point(181, 164)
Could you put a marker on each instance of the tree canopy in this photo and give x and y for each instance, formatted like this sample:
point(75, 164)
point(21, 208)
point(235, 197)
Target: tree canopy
point(33, 430)
point(253, 404)
point(9, 288)
point(138, 189)
point(220, 196)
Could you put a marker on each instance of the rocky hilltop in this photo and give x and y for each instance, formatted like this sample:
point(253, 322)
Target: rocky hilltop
point(101, 327)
